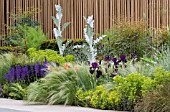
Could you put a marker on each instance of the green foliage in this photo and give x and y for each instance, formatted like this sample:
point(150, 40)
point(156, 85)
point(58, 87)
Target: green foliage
point(168, 35)
point(156, 100)
point(6, 60)
point(49, 44)
point(161, 38)
point(33, 37)
point(61, 85)
point(20, 20)
point(163, 58)
point(37, 92)
point(14, 90)
point(161, 76)
point(77, 53)
point(5, 49)
point(50, 55)
point(98, 98)
point(26, 21)
point(126, 38)
point(52, 44)
point(69, 58)
point(17, 91)
point(122, 95)
point(132, 88)
point(5, 90)
point(137, 67)
point(83, 98)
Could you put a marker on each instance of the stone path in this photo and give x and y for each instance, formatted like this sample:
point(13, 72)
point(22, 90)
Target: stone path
point(8, 105)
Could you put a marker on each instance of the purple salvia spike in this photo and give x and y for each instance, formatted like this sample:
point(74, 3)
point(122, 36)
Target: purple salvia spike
point(18, 72)
point(12, 74)
point(36, 67)
point(23, 74)
point(42, 71)
point(6, 77)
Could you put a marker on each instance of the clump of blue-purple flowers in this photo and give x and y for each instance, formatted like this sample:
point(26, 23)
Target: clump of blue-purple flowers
point(95, 67)
point(26, 73)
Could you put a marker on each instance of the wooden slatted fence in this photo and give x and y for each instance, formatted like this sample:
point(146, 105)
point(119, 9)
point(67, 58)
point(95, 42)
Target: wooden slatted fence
point(156, 13)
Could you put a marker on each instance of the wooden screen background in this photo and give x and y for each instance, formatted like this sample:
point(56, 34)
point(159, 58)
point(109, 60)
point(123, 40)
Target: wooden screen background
point(157, 13)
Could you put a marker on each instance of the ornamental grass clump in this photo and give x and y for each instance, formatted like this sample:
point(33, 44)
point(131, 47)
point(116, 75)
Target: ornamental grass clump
point(155, 101)
point(61, 84)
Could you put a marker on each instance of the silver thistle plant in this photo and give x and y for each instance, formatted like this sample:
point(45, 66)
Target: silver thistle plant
point(58, 31)
point(90, 49)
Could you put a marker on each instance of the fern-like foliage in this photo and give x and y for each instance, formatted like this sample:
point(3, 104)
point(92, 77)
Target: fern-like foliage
point(17, 91)
point(33, 37)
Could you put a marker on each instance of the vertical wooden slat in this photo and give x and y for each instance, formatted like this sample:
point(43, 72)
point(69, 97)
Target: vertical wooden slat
point(2, 26)
point(157, 13)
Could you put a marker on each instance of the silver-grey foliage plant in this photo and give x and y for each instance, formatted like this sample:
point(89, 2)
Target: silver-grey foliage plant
point(89, 48)
point(58, 31)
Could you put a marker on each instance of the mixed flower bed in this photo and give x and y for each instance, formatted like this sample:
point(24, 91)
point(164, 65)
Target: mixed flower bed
point(117, 71)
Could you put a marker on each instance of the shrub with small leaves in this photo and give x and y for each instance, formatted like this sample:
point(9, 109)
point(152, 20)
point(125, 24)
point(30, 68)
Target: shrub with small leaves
point(51, 55)
point(127, 38)
point(132, 88)
point(99, 98)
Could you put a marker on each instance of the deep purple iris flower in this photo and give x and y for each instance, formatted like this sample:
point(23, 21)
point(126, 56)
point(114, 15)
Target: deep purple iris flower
point(123, 58)
point(91, 70)
point(95, 65)
point(107, 58)
point(99, 73)
point(115, 61)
